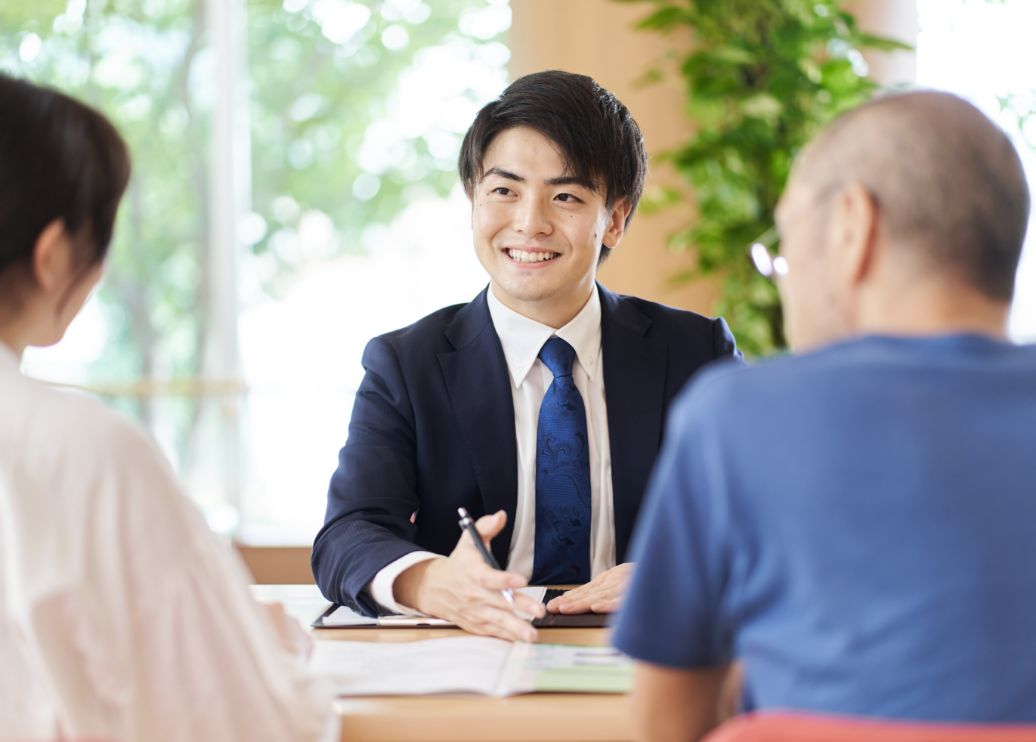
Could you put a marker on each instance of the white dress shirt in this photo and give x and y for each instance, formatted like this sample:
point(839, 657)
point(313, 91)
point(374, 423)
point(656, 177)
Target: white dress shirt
point(522, 338)
point(122, 617)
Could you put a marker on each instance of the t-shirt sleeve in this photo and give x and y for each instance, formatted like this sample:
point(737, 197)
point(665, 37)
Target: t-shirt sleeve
point(674, 613)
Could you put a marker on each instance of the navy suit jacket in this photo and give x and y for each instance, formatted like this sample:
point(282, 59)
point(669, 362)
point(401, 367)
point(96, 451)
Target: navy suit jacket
point(433, 429)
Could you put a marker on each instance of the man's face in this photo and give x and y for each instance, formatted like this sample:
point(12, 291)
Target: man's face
point(813, 314)
point(538, 230)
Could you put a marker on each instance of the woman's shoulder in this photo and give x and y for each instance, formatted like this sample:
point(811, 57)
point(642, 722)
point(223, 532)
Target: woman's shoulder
point(80, 418)
point(69, 440)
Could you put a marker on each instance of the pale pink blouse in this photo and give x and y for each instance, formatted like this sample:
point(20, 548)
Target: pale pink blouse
point(122, 617)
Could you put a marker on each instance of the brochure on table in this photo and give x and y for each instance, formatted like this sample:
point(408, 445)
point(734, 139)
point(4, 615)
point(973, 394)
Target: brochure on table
point(482, 665)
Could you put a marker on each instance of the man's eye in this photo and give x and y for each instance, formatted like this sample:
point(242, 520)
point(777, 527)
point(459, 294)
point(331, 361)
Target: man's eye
point(568, 198)
point(501, 191)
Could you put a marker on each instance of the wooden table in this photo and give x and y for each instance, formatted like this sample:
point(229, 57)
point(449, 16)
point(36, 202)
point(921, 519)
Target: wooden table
point(536, 717)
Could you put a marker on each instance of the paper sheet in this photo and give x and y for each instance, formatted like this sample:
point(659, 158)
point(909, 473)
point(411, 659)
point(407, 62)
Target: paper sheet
point(562, 668)
point(470, 665)
point(467, 665)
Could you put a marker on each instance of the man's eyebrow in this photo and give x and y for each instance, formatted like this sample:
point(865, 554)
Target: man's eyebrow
point(499, 171)
point(572, 180)
point(559, 180)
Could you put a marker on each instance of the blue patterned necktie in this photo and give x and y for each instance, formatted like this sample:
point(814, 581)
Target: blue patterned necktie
point(562, 555)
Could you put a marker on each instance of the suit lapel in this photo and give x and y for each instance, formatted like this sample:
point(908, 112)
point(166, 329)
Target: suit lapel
point(634, 389)
point(480, 393)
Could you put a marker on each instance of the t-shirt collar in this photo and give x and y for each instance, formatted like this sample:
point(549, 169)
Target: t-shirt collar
point(522, 338)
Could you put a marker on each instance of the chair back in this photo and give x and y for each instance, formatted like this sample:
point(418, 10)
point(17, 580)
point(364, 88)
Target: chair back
point(801, 727)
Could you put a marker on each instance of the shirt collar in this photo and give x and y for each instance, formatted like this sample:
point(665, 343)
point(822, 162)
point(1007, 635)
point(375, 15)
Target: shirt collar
point(522, 338)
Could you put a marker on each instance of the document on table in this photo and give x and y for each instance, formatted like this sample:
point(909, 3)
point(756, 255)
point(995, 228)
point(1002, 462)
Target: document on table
point(492, 667)
point(345, 617)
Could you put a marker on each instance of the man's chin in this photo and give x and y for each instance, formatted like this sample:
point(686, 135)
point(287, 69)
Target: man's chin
point(529, 290)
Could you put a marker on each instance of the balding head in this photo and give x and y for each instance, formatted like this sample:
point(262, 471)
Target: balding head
point(947, 182)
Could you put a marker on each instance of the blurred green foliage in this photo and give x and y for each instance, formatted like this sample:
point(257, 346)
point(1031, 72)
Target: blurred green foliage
point(321, 76)
point(147, 64)
point(761, 78)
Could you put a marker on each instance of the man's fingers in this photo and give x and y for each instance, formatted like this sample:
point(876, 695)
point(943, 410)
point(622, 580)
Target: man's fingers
point(603, 594)
point(610, 605)
point(496, 599)
point(574, 606)
point(504, 624)
point(522, 604)
point(527, 605)
point(489, 526)
point(576, 600)
point(496, 579)
point(598, 601)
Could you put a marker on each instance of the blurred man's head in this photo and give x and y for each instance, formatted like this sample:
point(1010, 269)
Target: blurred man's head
point(905, 215)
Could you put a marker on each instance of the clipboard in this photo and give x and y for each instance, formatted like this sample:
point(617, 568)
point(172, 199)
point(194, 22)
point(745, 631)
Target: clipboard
point(345, 617)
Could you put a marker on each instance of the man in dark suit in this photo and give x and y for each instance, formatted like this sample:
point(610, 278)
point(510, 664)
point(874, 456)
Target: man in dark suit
point(539, 406)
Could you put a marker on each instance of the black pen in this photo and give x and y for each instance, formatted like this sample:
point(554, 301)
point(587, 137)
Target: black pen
point(467, 524)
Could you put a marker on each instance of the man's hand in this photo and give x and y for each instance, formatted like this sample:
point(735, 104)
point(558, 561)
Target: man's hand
point(466, 591)
point(603, 594)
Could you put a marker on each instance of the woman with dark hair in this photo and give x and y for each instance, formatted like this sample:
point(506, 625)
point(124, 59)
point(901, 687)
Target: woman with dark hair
point(122, 616)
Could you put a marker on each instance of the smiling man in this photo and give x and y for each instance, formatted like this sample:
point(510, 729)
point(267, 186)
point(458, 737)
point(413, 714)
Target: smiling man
point(539, 405)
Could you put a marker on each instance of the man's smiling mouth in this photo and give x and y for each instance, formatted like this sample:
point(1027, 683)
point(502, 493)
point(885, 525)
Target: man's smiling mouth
point(530, 256)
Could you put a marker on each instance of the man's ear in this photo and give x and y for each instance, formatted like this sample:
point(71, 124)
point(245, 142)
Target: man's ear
point(855, 227)
point(616, 226)
point(52, 257)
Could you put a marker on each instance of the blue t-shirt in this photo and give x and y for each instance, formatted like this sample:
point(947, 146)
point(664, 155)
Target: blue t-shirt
point(856, 525)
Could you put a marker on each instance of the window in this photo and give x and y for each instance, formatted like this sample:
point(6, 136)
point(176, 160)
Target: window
point(294, 194)
point(983, 51)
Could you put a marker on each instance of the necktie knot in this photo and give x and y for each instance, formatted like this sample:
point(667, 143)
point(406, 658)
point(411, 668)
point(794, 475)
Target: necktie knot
point(558, 356)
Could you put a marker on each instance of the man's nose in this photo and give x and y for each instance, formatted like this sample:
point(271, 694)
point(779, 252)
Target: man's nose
point(531, 218)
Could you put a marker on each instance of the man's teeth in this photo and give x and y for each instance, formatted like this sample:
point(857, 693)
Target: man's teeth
point(525, 256)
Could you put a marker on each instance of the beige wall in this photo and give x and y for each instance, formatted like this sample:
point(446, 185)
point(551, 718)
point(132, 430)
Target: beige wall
point(896, 19)
point(596, 38)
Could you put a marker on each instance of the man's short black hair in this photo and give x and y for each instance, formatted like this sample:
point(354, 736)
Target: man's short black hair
point(595, 133)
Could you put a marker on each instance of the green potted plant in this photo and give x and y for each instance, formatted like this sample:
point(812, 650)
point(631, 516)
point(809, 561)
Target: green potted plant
point(761, 78)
